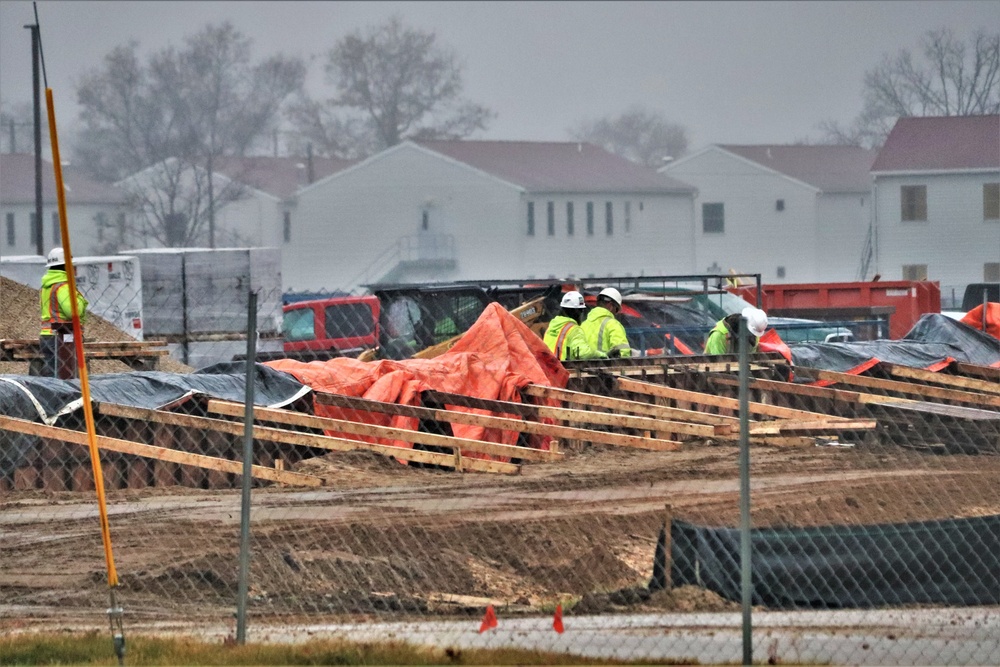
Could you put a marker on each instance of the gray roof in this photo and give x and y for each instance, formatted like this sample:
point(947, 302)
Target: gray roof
point(829, 168)
point(570, 167)
point(17, 183)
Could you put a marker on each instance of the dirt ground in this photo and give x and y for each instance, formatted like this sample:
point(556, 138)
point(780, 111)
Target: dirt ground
point(384, 540)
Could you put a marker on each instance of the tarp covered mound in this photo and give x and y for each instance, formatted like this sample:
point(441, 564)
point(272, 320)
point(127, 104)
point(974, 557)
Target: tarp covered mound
point(495, 358)
point(953, 561)
point(933, 342)
point(46, 399)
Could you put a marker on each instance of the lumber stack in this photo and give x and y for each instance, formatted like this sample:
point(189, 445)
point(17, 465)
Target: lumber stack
point(137, 354)
point(658, 405)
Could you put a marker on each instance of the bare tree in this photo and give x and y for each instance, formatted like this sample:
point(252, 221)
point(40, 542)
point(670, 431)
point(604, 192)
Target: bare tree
point(956, 78)
point(191, 106)
point(639, 134)
point(392, 83)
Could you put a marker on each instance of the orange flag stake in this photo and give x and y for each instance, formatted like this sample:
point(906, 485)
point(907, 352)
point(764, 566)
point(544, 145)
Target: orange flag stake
point(557, 623)
point(489, 619)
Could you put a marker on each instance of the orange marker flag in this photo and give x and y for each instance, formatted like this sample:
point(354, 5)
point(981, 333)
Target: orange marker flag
point(557, 623)
point(489, 619)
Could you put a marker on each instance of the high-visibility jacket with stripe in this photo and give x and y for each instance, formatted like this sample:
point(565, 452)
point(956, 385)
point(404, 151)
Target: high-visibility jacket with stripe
point(566, 340)
point(605, 333)
point(56, 308)
point(721, 340)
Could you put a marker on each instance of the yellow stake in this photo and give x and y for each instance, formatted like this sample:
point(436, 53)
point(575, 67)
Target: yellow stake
point(88, 411)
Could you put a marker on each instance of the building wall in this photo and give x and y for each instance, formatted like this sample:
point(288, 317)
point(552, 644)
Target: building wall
point(252, 221)
point(85, 236)
point(954, 242)
point(654, 239)
point(348, 229)
point(843, 222)
point(757, 238)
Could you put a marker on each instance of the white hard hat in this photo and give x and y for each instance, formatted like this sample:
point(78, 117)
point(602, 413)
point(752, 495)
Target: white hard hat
point(756, 320)
point(56, 256)
point(573, 300)
point(612, 294)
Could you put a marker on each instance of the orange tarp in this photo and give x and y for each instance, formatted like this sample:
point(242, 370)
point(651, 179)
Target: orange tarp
point(495, 358)
point(974, 318)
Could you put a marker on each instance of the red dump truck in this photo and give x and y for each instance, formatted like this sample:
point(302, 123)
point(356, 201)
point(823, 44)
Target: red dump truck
point(902, 302)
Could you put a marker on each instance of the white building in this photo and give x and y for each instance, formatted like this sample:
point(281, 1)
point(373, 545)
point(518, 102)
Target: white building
point(937, 201)
point(95, 212)
point(251, 198)
point(457, 210)
point(789, 212)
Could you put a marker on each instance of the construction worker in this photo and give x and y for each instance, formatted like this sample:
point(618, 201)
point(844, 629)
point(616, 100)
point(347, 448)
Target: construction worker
point(58, 359)
point(565, 337)
point(603, 330)
point(722, 338)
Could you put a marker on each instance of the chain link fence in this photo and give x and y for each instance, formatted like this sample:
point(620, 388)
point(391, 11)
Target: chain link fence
point(417, 484)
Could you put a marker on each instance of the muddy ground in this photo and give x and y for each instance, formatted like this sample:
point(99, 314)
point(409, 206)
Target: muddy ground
point(390, 541)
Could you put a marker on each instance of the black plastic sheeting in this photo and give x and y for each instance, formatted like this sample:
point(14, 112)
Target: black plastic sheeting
point(932, 340)
point(46, 399)
point(954, 562)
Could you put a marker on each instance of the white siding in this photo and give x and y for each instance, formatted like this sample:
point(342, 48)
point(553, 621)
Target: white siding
point(82, 227)
point(757, 237)
point(954, 242)
point(347, 224)
point(843, 222)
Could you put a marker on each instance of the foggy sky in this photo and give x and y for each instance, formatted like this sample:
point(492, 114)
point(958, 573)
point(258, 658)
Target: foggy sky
point(744, 72)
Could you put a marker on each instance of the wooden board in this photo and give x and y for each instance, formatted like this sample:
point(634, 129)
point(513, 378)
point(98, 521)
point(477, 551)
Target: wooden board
point(503, 423)
point(378, 431)
point(622, 405)
point(158, 453)
point(577, 416)
point(953, 381)
point(909, 388)
point(305, 439)
point(700, 398)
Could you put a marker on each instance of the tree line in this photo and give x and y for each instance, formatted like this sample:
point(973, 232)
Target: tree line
point(191, 106)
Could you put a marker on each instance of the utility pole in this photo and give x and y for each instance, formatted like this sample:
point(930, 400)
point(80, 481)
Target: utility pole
point(37, 89)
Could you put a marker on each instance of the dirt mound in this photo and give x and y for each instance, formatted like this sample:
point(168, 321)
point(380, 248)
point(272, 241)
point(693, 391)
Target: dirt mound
point(19, 320)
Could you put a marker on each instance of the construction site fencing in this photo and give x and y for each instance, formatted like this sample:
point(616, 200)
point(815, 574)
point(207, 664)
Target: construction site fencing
point(601, 518)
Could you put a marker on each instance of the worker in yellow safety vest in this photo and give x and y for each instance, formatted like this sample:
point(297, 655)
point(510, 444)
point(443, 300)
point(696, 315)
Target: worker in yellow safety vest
point(57, 318)
point(603, 330)
point(564, 337)
point(723, 337)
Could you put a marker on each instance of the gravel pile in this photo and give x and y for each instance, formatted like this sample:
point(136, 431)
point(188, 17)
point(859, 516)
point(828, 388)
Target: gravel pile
point(19, 319)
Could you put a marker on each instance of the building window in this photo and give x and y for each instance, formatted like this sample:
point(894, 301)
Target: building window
point(56, 232)
point(36, 232)
point(609, 223)
point(531, 218)
point(100, 222)
point(286, 226)
point(914, 272)
point(121, 228)
point(590, 218)
point(781, 272)
point(628, 217)
point(991, 201)
point(779, 205)
point(550, 218)
point(11, 231)
point(991, 272)
point(913, 202)
point(713, 218)
point(569, 218)
point(425, 220)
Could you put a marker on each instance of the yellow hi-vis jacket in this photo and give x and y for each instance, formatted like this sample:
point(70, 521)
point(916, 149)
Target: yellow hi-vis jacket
point(55, 304)
point(605, 333)
point(566, 340)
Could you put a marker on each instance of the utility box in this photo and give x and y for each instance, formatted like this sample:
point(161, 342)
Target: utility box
point(112, 285)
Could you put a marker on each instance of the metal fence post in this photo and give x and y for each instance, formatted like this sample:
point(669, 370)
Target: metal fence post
point(745, 572)
point(243, 587)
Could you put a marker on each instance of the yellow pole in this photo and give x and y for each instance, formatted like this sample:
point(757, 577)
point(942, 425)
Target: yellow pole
point(115, 611)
